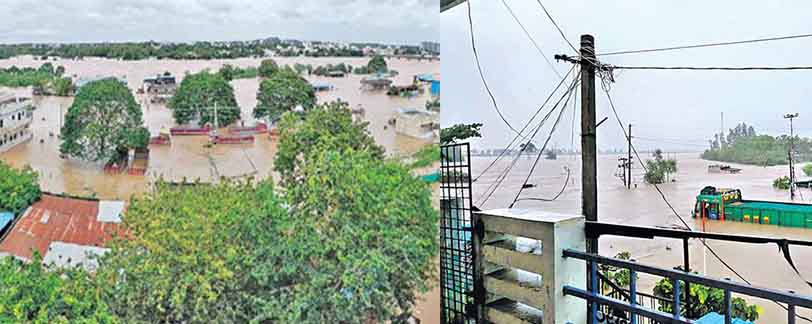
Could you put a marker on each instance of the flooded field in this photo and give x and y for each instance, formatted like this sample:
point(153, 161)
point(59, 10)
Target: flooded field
point(762, 265)
point(187, 157)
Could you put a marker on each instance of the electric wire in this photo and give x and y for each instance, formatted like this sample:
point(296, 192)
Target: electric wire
point(543, 147)
point(557, 27)
point(481, 74)
point(501, 154)
point(705, 45)
point(687, 227)
point(502, 176)
point(712, 68)
point(532, 40)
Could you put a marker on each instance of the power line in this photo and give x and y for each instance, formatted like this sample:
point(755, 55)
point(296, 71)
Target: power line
point(481, 75)
point(538, 48)
point(501, 154)
point(556, 26)
point(494, 186)
point(688, 227)
point(712, 68)
point(704, 45)
point(543, 147)
point(502, 176)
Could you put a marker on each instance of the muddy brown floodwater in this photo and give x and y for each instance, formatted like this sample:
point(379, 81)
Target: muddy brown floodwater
point(762, 265)
point(187, 157)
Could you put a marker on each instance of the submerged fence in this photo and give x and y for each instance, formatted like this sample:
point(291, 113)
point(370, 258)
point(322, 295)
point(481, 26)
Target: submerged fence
point(456, 255)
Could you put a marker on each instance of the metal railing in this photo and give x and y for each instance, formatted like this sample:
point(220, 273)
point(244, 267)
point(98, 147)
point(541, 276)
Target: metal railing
point(597, 299)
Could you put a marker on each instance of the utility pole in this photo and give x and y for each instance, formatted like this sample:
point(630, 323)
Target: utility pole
point(629, 161)
point(589, 163)
point(790, 153)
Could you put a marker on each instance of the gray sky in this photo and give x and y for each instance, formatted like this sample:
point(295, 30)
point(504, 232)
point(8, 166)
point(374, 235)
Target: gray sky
point(672, 105)
point(390, 21)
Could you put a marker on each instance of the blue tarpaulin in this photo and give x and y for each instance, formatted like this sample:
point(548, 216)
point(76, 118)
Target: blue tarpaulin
point(5, 220)
point(716, 318)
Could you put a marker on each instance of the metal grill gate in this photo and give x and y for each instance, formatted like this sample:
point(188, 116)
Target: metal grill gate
point(456, 250)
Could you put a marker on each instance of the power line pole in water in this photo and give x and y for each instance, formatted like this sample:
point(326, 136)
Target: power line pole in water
point(629, 161)
point(589, 169)
point(790, 153)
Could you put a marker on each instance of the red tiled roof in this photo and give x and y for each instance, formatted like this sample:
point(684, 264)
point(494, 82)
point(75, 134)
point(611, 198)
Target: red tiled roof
point(58, 219)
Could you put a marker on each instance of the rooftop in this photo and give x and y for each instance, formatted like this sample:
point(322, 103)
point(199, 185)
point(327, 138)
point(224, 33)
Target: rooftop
point(68, 221)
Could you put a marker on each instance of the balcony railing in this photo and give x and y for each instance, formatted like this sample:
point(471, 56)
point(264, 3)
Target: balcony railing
point(530, 267)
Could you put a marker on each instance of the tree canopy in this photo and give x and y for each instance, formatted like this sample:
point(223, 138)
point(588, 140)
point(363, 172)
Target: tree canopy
point(377, 64)
point(103, 120)
point(459, 132)
point(744, 145)
point(659, 169)
point(33, 293)
point(329, 126)
point(197, 96)
point(268, 68)
point(283, 92)
point(20, 188)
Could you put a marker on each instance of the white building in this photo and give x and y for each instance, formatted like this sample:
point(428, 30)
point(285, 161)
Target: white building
point(417, 123)
point(16, 115)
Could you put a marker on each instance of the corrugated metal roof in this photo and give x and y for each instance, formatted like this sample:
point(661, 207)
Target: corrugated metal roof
point(58, 219)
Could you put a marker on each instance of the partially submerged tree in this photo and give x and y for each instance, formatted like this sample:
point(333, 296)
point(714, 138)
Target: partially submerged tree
point(103, 121)
point(20, 188)
point(377, 64)
point(659, 169)
point(328, 126)
point(459, 132)
point(283, 92)
point(197, 97)
point(268, 68)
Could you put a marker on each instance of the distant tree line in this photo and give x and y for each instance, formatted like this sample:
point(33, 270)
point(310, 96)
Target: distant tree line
point(47, 79)
point(190, 51)
point(744, 145)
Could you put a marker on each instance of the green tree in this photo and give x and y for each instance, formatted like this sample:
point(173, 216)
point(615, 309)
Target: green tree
point(197, 96)
point(659, 169)
point(328, 126)
point(459, 132)
point(103, 121)
point(33, 293)
point(20, 188)
point(781, 183)
point(376, 231)
point(227, 71)
point(268, 68)
point(703, 300)
point(808, 169)
point(377, 64)
point(283, 92)
point(193, 254)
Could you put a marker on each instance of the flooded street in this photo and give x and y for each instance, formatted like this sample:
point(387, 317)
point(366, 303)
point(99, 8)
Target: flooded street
point(762, 265)
point(187, 158)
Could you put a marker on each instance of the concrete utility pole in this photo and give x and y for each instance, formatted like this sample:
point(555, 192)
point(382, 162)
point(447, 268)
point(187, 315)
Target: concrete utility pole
point(589, 163)
point(629, 161)
point(790, 153)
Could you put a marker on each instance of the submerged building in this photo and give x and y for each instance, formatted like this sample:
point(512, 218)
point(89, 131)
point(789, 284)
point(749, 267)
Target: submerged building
point(417, 123)
point(16, 115)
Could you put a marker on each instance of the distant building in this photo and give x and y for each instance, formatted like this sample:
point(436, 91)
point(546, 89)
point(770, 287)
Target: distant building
point(431, 47)
point(16, 115)
point(417, 123)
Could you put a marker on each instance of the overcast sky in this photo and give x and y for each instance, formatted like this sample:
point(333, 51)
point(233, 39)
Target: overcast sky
point(390, 21)
point(668, 105)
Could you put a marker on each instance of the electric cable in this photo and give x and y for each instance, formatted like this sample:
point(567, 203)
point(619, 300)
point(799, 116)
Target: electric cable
point(705, 45)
